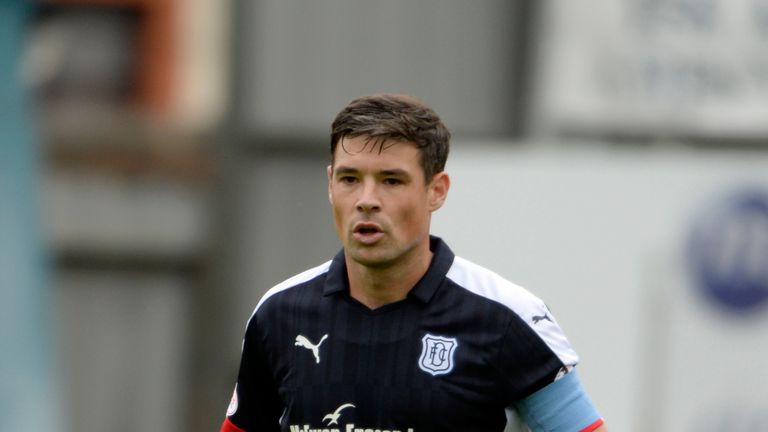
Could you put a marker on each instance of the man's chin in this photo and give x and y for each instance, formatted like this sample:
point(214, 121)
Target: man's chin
point(369, 258)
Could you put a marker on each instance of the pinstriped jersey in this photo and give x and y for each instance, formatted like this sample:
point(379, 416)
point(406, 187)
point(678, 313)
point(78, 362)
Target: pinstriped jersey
point(460, 348)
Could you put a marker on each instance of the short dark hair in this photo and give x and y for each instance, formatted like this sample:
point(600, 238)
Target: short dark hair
point(398, 117)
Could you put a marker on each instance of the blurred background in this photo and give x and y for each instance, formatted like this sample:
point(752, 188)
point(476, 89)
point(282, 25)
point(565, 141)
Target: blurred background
point(162, 164)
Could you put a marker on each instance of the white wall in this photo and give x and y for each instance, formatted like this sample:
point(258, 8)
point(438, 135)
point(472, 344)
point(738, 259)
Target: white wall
point(600, 235)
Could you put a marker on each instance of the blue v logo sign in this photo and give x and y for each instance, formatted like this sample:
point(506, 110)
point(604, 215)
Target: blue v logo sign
point(437, 354)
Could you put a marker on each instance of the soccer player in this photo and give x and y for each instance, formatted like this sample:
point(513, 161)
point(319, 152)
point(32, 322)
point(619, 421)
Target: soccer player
point(395, 333)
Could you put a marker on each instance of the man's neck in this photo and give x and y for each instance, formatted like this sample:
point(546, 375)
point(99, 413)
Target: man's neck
point(375, 287)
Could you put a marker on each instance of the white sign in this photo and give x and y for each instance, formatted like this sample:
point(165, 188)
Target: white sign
point(677, 67)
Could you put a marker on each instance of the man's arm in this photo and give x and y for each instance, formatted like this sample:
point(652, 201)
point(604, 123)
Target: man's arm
point(256, 404)
point(562, 406)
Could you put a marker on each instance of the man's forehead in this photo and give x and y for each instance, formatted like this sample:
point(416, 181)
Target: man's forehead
point(382, 155)
point(369, 144)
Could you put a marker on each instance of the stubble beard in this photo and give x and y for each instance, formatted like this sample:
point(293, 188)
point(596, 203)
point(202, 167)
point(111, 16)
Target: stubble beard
point(381, 255)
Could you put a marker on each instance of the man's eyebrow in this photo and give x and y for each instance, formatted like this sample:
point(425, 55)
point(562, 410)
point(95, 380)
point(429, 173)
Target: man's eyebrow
point(395, 172)
point(344, 170)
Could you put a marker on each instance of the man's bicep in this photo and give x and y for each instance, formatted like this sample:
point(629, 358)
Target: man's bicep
point(561, 406)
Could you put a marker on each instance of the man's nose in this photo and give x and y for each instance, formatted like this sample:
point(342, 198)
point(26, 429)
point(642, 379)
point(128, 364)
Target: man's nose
point(369, 198)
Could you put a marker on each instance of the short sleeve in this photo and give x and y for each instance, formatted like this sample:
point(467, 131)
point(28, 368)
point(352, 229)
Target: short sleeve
point(528, 359)
point(256, 403)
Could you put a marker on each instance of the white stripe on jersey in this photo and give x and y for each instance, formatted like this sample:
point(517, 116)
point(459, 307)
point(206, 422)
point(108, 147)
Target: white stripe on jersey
point(290, 283)
point(490, 285)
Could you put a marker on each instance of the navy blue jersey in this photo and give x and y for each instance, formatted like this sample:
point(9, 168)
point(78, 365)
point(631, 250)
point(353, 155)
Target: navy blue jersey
point(460, 348)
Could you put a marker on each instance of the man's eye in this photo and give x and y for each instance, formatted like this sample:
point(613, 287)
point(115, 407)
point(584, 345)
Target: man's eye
point(393, 181)
point(347, 179)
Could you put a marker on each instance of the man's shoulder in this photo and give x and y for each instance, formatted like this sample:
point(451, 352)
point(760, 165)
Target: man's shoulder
point(533, 313)
point(493, 287)
point(302, 279)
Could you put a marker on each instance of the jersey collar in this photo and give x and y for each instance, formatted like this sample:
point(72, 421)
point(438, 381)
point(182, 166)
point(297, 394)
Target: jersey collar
point(442, 259)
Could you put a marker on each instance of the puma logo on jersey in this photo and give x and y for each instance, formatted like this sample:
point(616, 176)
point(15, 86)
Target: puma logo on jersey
point(537, 318)
point(334, 416)
point(302, 341)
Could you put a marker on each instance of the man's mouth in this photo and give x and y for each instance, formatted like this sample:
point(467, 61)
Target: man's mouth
point(367, 233)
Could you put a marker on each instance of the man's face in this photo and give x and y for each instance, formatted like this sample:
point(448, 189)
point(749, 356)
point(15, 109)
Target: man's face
point(381, 203)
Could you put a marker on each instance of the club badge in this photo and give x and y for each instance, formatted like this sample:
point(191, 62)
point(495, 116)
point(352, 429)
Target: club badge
point(437, 354)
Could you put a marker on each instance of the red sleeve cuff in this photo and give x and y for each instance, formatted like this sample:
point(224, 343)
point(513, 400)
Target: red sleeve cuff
point(228, 426)
point(593, 426)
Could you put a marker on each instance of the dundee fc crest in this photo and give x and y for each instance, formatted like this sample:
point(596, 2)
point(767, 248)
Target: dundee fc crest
point(437, 354)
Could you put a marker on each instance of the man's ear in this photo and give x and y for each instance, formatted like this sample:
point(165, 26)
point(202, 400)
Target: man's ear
point(329, 170)
point(438, 190)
